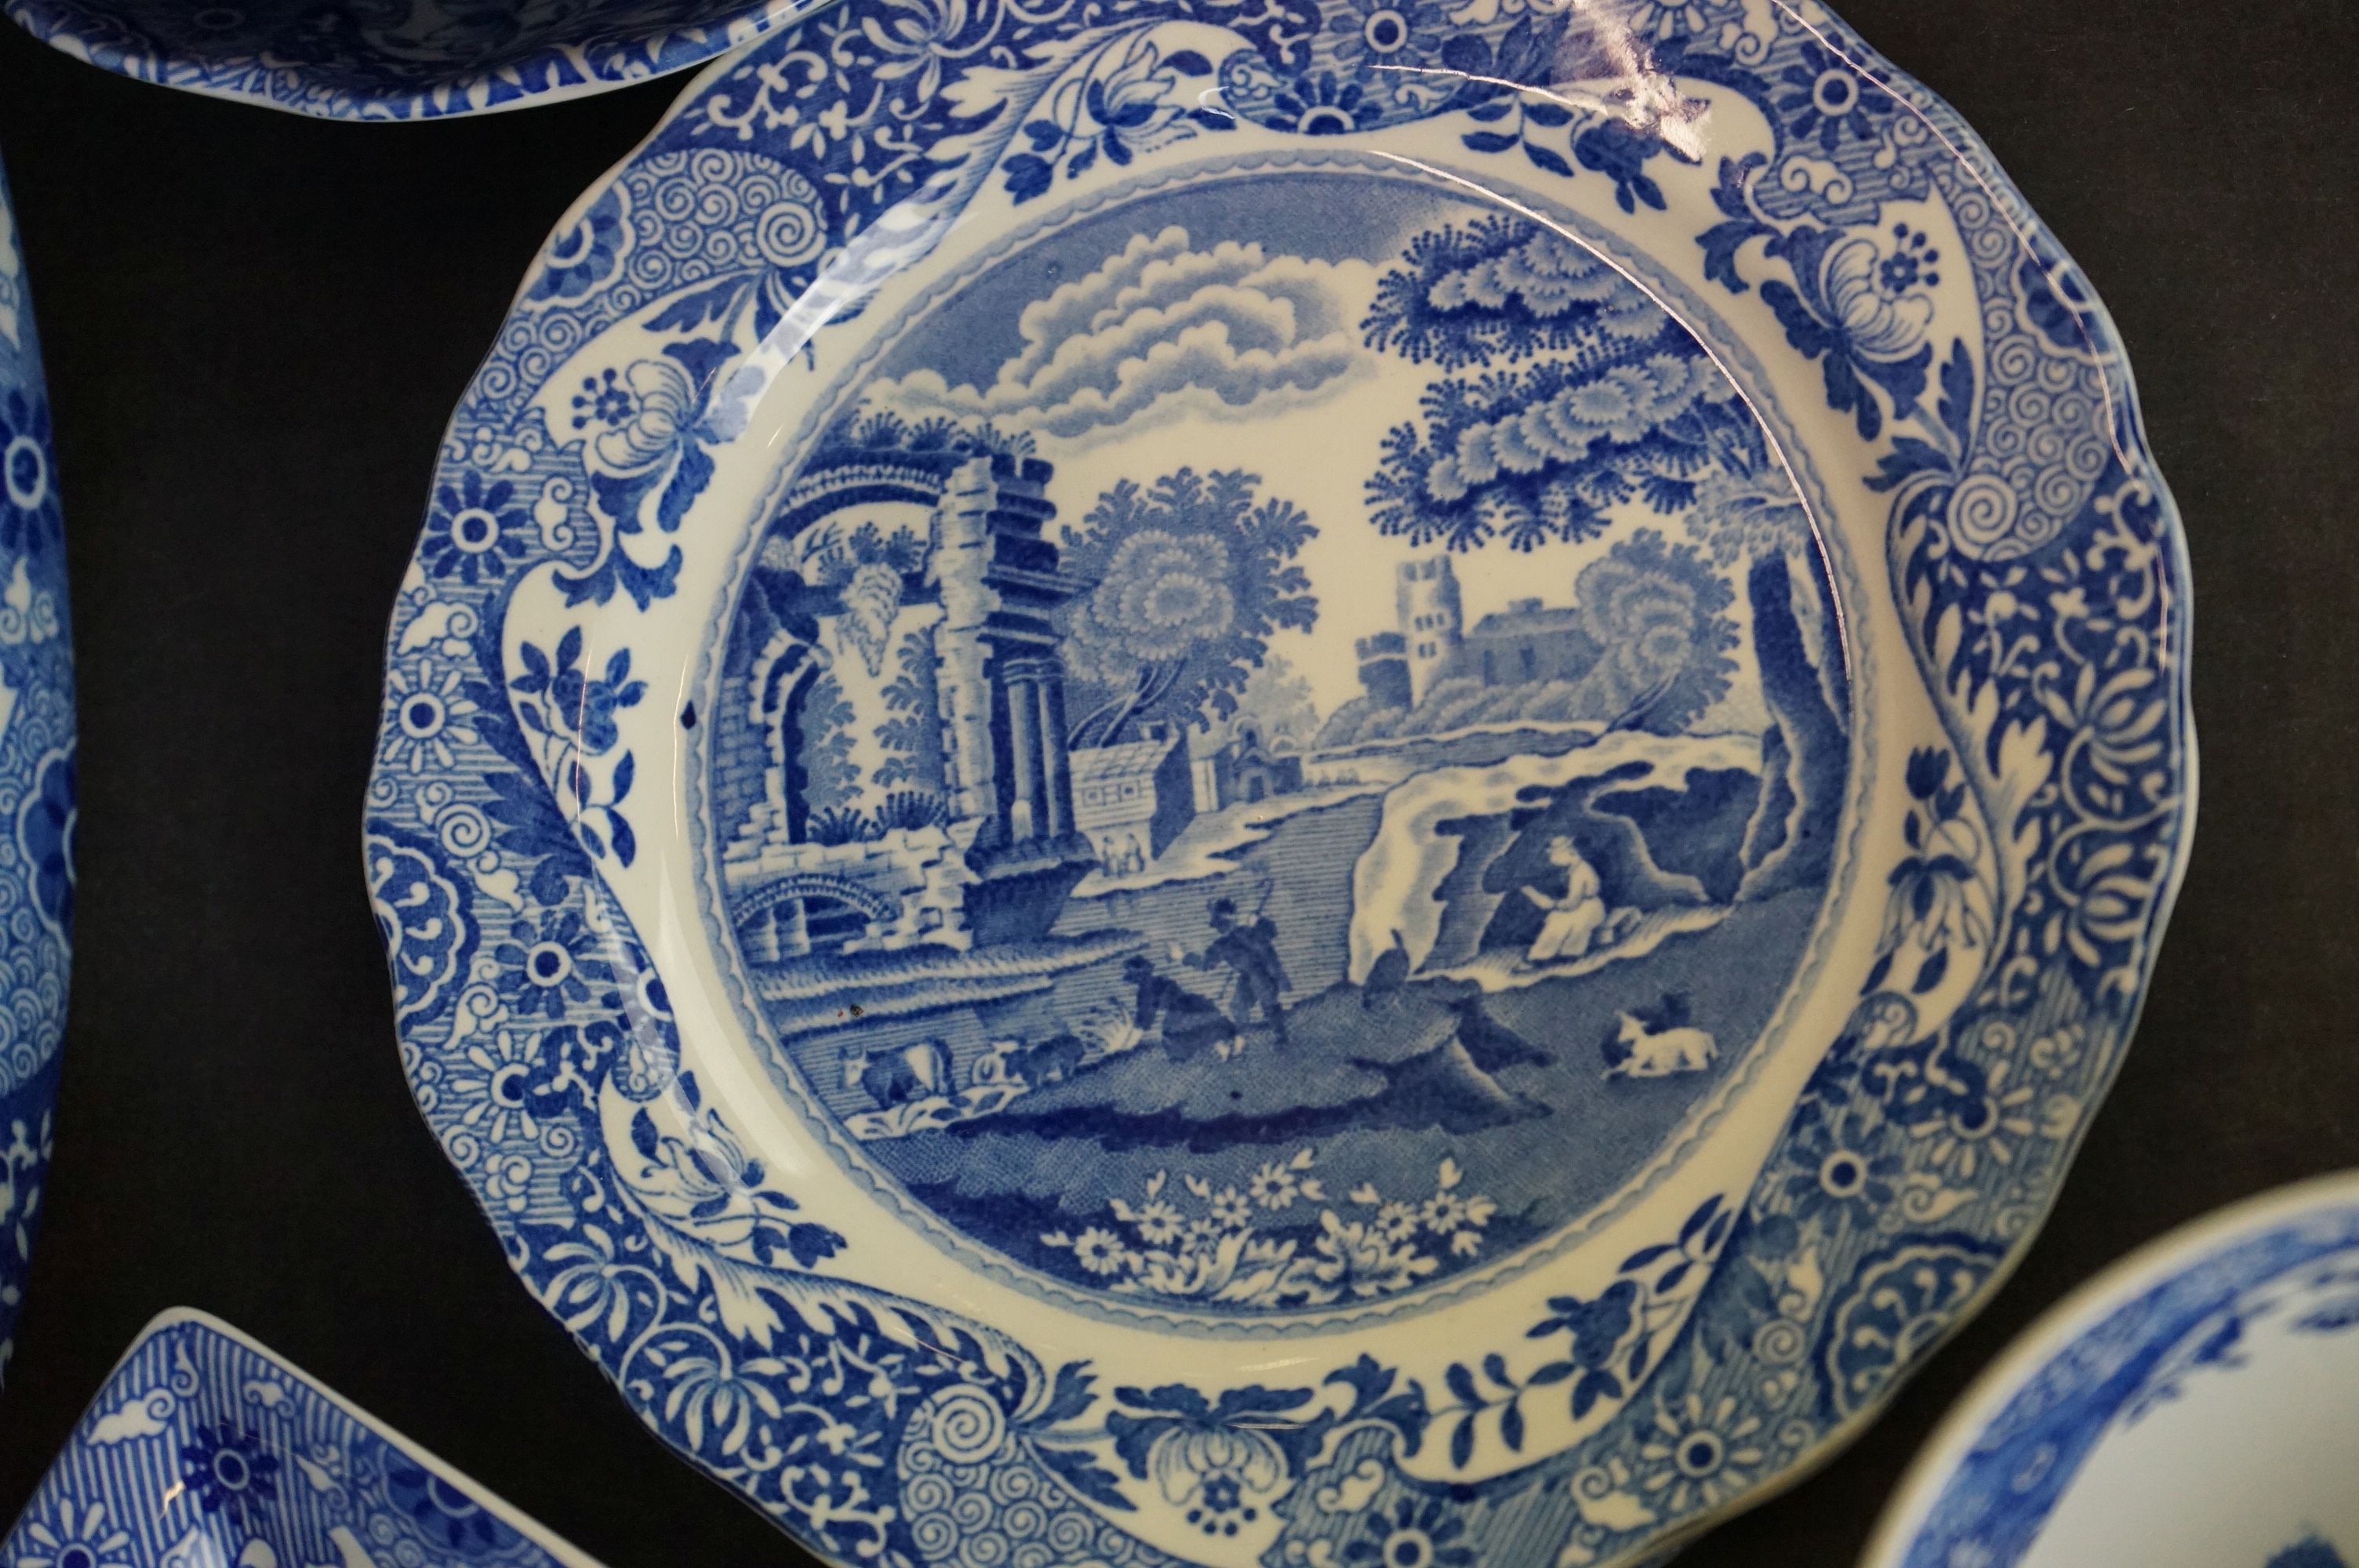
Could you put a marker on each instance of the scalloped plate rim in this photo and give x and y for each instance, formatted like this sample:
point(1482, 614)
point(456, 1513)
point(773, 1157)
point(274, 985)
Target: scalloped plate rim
point(1971, 150)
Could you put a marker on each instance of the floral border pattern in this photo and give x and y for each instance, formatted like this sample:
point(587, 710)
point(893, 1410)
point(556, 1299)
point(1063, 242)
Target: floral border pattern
point(2034, 558)
point(398, 60)
point(204, 1449)
point(36, 782)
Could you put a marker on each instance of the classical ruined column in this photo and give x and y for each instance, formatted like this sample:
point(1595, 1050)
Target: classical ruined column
point(959, 563)
point(1028, 813)
point(1050, 683)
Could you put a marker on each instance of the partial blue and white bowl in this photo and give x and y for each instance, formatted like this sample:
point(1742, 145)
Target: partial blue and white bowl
point(399, 59)
point(2197, 1403)
point(205, 1449)
point(36, 782)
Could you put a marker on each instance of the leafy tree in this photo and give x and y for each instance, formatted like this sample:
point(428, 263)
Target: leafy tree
point(1660, 613)
point(1500, 289)
point(1193, 577)
point(830, 776)
point(911, 730)
point(883, 430)
point(1598, 401)
point(1620, 403)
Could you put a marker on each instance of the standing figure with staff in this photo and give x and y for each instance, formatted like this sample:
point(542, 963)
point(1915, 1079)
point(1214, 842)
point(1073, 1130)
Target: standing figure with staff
point(1247, 948)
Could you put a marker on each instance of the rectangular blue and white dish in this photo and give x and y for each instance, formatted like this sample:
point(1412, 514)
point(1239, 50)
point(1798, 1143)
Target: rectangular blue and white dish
point(205, 1449)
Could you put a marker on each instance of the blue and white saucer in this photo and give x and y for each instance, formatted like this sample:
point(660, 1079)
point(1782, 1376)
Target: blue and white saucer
point(204, 1449)
point(37, 780)
point(398, 59)
point(2197, 1403)
point(1167, 784)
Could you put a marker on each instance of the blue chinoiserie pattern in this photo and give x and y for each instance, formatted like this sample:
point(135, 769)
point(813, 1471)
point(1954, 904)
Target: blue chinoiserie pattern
point(36, 782)
point(2297, 1279)
point(204, 1451)
point(2029, 560)
point(398, 60)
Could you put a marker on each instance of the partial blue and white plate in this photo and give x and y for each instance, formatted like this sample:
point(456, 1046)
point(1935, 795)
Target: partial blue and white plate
point(2197, 1403)
point(36, 782)
point(398, 59)
point(205, 1449)
point(1335, 784)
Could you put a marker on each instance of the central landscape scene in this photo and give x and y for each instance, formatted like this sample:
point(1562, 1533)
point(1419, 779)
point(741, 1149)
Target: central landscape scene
point(1283, 738)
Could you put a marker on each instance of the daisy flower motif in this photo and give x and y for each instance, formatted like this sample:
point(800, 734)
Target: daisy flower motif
point(230, 1470)
point(1158, 1223)
point(474, 531)
point(1320, 105)
point(550, 963)
point(1411, 1535)
point(28, 514)
point(1700, 1456)
point(430, 715)
point(1665, 18)
point(1100, 1251)
point(1841, 1168)
point(1445, 1212)
point(1386, 32)
point(78, 1536)
point(1828, 100)
point(1273, 1187)
point(498, 1091)
point(1994, 1124)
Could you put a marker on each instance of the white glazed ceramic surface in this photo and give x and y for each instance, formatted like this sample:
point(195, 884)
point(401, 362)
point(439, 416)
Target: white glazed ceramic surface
point(2196, 1404)
point(1335, 784)
point(205, 1449)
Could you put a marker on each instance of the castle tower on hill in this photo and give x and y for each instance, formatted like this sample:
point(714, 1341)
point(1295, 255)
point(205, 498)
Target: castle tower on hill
point(1431, 621)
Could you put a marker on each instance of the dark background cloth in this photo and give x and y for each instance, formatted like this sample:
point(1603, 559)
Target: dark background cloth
point(256, 326)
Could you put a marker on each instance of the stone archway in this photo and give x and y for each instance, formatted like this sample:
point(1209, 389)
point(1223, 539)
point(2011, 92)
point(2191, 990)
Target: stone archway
point(808, 911)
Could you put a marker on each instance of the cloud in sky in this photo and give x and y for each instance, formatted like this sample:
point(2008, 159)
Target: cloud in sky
point(1159, 330)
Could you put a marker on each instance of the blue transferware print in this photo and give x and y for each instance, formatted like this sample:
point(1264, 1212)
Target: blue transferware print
point(2312, 1551)
point(1095, 701)
point(398, 59)
point(36, 783)
point(1282, 927)
point(204, 1448)
point(2192, 1405)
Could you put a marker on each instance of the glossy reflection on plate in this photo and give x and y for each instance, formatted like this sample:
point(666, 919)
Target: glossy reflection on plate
point(2192, 1405)
point(205, 1448)
point(36, 782)
point(398, 60)
point(1093, 695)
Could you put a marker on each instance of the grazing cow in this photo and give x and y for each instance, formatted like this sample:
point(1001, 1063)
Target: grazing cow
point(1658, 1045)
point(1013, 1060)
point(901, 1075)
point(1053, 1059)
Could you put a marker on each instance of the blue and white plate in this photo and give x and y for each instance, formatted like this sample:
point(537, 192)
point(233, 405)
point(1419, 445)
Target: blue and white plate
point(205, 1449)
point(398, 59)
point(2198, 1403)
point(37, 780)
point(1168, 783)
